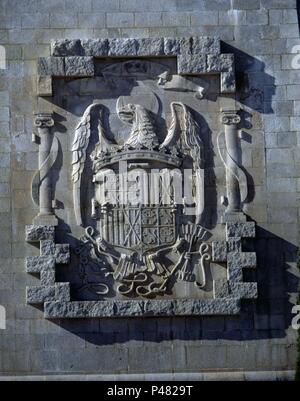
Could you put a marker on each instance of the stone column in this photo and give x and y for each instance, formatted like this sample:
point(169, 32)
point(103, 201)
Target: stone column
point(231, 120)
point(44, 123)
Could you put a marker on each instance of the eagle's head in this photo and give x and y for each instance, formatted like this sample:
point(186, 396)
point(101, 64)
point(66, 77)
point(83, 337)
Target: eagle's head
point(127, 113)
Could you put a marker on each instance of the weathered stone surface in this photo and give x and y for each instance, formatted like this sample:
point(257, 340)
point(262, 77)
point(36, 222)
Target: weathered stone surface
point(48, 277)
point(66, 47)
point(177, 46)
point(242, 259)
point(62, 292)
point(77, 66)
point(206, 45)
point(236, 261)
point(35, 264)
point(219, 251)
point(150, 47)
point(47, 248)
point(62, 253)
point(123, 47)
point(191, 64)
point(243, 230)
point(243, 290)
point(53, 66)
point(220, 62)
point(95, 47)
point(39, 233)
point(234, 244)
point(221, 289)
point(39, 294)
point(116, 308)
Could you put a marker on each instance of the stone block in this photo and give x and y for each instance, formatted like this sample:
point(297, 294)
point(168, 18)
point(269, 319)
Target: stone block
point(145, 20)
point(48, 277)
point(234, 244)
point(91, 20)
point(241, 259)
point(191, 64)
point(119, 20)
point(246, 5)
point(66, 47)
point(219, 251)
point(206, 45)
point(63, 20)
point(172, 46)
point(95, 47)
point(123, 47)
point(62, 292)
point(176, 19)
point(232, 17)
point(44, 85)
point(53, 66)
point(257, 17)
point(105, 5)
point(243, 230)
point(204, 18)
point(38, 233)
point(243, 290)
point(39, 294)
point(220, 63)
point(220, 288)
point(4, 98)
point(150, 47)
point(47, 248)
point(35, 264)
point(183, 307)
point(36, 20)
point(78, 66)
point(4, 114)
point(62, 253)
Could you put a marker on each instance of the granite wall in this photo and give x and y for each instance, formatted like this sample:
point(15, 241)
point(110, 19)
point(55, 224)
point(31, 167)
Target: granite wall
point(262, 35)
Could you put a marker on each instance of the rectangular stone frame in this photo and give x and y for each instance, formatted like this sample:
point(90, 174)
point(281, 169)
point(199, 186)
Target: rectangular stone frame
point(195, 56)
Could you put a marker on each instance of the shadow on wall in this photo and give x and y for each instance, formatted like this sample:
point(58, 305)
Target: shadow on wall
point(255, 88)
point(267, 317)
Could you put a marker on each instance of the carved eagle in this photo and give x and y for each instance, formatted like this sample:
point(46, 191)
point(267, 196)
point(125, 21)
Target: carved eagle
point(183, 127)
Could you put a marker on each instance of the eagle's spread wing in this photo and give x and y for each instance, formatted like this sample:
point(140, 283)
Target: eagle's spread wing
point(191, 135)
point(174, 128)
point(79, 149)
point(184, 125)
point(80, 144)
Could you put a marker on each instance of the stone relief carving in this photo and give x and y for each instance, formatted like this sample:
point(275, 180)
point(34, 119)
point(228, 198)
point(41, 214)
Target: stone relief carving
point(139, 193)
point(138, 212)
point(42, 188)
point(236, 181)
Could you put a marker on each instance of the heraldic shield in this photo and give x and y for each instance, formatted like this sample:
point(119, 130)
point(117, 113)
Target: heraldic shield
point(147, 203)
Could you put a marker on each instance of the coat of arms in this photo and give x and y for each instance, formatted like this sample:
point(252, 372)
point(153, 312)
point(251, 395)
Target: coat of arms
point(147, 200)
